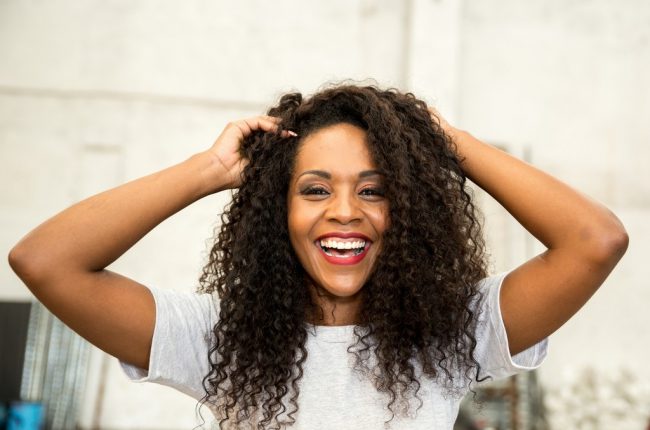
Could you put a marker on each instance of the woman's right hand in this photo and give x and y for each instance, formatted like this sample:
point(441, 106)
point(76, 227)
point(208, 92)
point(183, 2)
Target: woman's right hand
point(225, 150)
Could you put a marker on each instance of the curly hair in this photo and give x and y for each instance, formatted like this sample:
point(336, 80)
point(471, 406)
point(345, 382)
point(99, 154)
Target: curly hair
point(417, 302)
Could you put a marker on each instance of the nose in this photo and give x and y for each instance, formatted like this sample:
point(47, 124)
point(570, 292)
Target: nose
point(344, 208)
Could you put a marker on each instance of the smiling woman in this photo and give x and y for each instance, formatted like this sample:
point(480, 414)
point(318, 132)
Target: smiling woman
point(347, 286)
point(361, 163)
point(337, 214)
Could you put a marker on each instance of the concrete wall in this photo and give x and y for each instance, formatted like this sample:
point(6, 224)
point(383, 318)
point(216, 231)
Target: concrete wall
point(96, 93)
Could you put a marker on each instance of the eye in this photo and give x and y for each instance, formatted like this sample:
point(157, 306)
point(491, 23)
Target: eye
point(378, 192)
point(314, 190)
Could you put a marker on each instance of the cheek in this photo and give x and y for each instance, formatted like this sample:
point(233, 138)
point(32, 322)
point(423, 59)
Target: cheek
point(299, 224)
point(380, 219)
point(294, 230)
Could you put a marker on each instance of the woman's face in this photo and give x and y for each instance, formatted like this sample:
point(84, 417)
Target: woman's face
point(336, 209)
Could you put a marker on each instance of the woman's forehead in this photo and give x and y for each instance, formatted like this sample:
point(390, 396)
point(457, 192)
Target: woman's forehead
point(334, 147)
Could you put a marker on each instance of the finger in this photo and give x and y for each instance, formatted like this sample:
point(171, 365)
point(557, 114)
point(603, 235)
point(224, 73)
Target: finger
point(261, 123)
point(243, 163)
point(289, 133)
point(265, 123)
point(248, 125)
point(274, 119)
point(268, 124)
point(435, 115)
point(239, 127)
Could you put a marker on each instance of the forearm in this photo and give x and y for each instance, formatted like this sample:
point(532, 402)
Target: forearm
point(557, 215)
point(93, 233)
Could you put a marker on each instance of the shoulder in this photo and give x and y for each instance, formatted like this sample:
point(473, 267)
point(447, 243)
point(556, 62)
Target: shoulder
point(492, 350)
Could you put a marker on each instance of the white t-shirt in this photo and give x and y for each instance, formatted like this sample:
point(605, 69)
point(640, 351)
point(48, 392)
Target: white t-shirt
point(332, 395)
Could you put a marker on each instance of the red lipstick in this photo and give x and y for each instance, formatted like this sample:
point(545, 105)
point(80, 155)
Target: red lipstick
point(347, 260)
point(344, 235)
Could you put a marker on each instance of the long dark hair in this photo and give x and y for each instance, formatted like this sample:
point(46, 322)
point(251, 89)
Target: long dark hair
point(417, 302)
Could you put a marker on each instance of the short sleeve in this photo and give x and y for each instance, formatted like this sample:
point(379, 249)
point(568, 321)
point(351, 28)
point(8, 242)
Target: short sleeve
point(181, 341)
point(492, 351)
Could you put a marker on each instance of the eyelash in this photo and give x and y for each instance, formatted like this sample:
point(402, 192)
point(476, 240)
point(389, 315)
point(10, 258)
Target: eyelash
point(315, 190)
point(312, 190)
point(375, 191)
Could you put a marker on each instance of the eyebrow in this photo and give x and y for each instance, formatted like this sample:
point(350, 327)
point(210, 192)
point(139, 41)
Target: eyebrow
point(327, 175)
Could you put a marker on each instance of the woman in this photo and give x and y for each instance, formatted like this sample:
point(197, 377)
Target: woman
point(349, 269)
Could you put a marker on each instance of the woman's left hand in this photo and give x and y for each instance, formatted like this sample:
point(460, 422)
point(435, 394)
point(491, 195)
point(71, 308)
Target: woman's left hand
point(440, 120)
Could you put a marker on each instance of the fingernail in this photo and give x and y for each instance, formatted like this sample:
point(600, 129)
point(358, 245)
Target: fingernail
point(292, 133)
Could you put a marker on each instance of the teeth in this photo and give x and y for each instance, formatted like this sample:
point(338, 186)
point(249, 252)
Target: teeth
point(343, 245)
point(356, 252)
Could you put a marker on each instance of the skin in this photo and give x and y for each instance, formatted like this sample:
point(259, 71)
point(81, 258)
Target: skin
point(585, 240)
point(63, 261)
point(344, 202)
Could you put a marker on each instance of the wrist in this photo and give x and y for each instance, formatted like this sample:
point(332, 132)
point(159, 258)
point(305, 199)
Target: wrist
point(462, 144)
point(457, 137)
point(213, 176)
point(451, 130)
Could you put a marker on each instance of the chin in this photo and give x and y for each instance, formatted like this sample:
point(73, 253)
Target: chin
point(342, 289)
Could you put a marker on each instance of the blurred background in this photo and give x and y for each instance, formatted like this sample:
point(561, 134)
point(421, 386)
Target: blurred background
point(96, 93)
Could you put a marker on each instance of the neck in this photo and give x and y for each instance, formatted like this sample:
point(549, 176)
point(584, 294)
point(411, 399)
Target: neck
point(334, 310)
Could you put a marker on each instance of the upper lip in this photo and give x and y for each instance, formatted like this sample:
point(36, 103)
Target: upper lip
point(344, 235)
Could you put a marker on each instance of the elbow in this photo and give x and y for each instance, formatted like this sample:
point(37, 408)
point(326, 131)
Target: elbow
point(17, 259)
point(25, 264)
point(613, 243)
point(618, 243)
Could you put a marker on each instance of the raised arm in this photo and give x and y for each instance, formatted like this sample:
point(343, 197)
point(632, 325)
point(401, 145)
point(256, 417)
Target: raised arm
point(584, 239)
point(63, 260)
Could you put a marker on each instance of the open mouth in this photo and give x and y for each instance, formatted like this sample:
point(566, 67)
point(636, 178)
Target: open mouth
point(342, 253)
point(352, 254)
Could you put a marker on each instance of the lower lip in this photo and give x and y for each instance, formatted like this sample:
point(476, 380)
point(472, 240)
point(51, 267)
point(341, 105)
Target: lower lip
point(344, 260)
